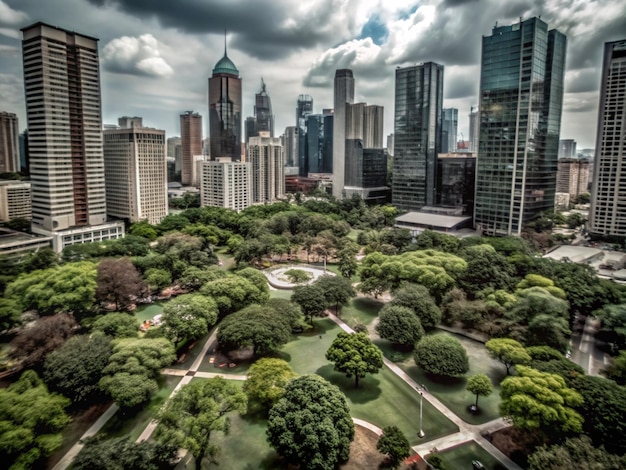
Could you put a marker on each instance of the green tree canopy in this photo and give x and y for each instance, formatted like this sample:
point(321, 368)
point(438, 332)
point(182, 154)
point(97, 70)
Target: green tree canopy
point(290, 312)
point(266, 382)
point(133, 367)
point(480, 385)
point(508, 351)
point(394, 444)
point(311, 299)
point(122, 453)
point(355, 355)
point(75, 369)
point(234, 292)
point(188, 316)
point(31, 420)
point(199, 409)
point(338, 290)
point(441, 355)
point(577, 452)
point(117, 325)
point(193, 278)
point(399, 325)
point(538, 401)
point(616, 370)
point(67, 288)
point(256, 326)
point(486, 270)
point(417, 298)
point(311, 424)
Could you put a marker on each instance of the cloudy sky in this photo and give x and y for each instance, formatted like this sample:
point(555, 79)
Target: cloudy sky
point(156, 55)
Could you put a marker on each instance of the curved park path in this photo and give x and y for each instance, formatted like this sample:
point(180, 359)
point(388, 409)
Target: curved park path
point(467, 432)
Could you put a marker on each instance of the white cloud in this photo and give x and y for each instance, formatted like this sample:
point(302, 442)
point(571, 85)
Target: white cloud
point(11, 17)
point(136, 56)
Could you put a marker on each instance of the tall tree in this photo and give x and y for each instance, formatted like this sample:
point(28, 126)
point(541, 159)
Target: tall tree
point(290, 312)
point(399, 325)
point(576, 452)
point(508, 351)
point(121, 452)
point(394, 444)
point(198, 410)
point(266, 382)
point(119, 282)
point(538, 401)
point(75, 369)
point(417, 298)
point(479, 385)
point(441, 355)
point(235, 292)
point(117, 325)
point(311, 425)
point(311, 300)
point(31, 420)
point(188, 316)
point(256, 326)
point(354, 354)
point(338, 290)
point(32, 344)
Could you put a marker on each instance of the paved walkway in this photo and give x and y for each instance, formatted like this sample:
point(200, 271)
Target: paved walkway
point(467, 432)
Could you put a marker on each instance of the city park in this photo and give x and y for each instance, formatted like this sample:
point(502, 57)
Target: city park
point(440, 414)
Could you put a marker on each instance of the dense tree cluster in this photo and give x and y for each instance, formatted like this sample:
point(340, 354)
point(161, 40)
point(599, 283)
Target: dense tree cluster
point(355, 355)
point(441, 355)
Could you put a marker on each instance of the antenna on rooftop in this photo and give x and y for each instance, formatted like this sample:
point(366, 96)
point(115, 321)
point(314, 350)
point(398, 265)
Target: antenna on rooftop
point(224, 41)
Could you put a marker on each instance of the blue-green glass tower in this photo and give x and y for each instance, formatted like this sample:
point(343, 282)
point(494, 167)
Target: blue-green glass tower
point(521, 97)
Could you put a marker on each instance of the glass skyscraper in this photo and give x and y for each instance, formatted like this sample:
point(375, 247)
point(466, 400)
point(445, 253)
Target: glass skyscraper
point(608, 200)
point(303, 109)
point(417, 135)
point(449, 125)
point(521, 97)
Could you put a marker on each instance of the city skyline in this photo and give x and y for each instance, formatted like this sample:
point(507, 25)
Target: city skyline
point(155, 63)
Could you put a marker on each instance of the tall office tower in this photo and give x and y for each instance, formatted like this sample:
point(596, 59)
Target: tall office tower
point(9, 143)
point(373, 121)
point(267, 159)
point(319, 143)
point(290, 144)
point(455, 182)
point(225, 184)
point(250, 128)
point(567, 148)
point(521, 96)
point(417, 135)
point(24, 156)
point(135, 172)
point(607, 215)
point(572, 176)
point(225, 110)
point(62, 85)
point(303, 109)
point(343, 94)
point(449, 125)
point(474, 129)
point(263, 111)
point(172, 144)
point(390, 144)
point(190, 146)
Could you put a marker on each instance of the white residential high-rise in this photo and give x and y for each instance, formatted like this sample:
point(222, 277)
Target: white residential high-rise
point(136, 172)
point(267, 157)
point(225, 184)
point(343, 93)
point(62, 85)
point(15, 200)
point(607, 215)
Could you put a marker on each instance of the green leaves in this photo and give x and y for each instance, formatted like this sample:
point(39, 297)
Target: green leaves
point(355, 355)
point(441, 355)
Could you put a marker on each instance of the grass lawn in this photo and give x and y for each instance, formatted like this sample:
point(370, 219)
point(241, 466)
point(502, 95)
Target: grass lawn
point(133, 423)
point(228, 260)
point(280, 294)
point(463, 455)
point(361, 310)
point(383, 399)
point(148, 311)
point(452, 391)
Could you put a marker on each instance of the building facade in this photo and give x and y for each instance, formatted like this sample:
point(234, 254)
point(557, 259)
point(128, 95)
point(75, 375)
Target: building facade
point(474, 129)
point(373, 122)
point(9, 143)
point(190, 146)
point(567, 148)
point(449, 126)
point(290, 144)
point(521, 97)
point(225, 110)
point(304, 108)
point(607, 215)
point(267, 159)
point(62, 85)
point(456, 173)
point(343, 95)
point(417, 135)
point(15, 200)
point(226, 184)
point(136, 172)
point(572, 176)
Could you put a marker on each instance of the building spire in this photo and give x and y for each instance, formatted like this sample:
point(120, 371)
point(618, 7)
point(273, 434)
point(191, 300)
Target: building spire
point(262, 85)
point(225, 42)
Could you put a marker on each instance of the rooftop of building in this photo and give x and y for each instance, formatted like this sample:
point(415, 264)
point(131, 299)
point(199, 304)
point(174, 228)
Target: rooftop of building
point(576, 254)
point(225, 65)
point(434, 220)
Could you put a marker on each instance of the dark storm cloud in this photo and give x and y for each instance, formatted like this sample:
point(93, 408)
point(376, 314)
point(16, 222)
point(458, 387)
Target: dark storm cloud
point(582, 81)
point(262, 28)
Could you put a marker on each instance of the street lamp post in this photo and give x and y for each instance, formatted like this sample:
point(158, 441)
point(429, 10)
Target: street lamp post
point(421, 433)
